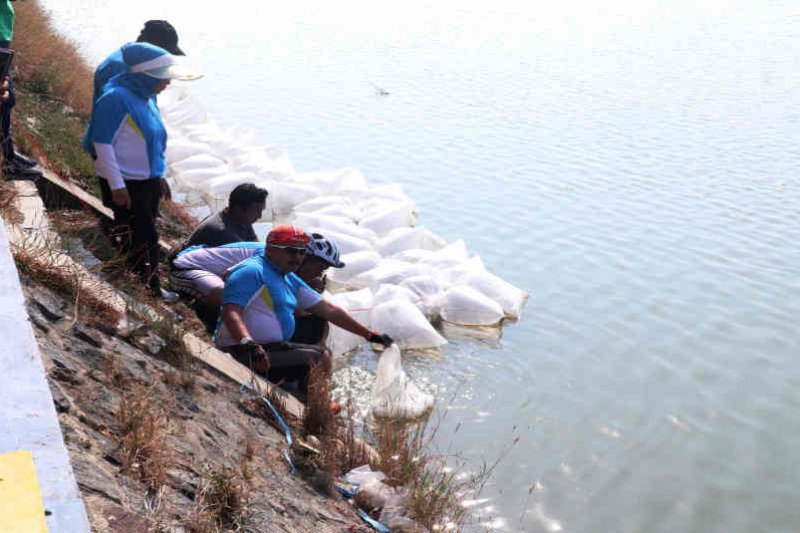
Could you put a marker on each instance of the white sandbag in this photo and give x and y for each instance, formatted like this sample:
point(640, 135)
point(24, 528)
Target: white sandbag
point(388, 216)
point(196, 177)
point(455, 273)
point(222, 186)
point(348, 179)
point(510, 298)
point(387, 271)
point(198, 161)
point(405, 324)
point(285, 195)
point(208, 133)
point(335, 224)
point(451, 255)
point(180, 149)
point(347, 243)
point(359, 305)
point(331, 182)
point(465, 305)
point(315, 204)
point(428, 292)
point(354, 263)
point(402, 239)
point(389, 291)
point(394, 394)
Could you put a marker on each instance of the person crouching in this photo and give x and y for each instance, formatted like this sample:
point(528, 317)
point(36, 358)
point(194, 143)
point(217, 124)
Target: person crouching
point(258, 311)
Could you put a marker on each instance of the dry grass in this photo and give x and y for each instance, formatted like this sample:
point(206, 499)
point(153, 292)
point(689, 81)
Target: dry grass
point(142, 430)
point(318, 419)
point(8, 199)
point(48, 63)
point(46, 264)
point(435, 484)
point(222, 503)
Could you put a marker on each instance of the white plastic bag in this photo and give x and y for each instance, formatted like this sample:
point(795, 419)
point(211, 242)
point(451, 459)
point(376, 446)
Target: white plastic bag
point(354, 263)
point(394, 394)
point(359, 305)
point(402, 239)
point(509, 297)
point(386, 216)
point(405, 324)
point(465, 305)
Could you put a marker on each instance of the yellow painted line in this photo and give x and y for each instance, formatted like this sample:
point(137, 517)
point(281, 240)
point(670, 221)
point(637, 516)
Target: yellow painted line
point(21, 509)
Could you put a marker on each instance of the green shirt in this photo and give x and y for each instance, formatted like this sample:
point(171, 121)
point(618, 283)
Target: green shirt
point(6, 20)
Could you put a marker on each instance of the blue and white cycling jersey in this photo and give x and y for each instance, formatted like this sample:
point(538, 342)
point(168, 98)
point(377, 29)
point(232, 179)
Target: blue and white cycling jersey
point(269, 299)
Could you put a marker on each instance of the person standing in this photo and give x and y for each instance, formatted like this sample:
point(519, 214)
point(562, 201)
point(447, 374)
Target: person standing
point(128, 139)
point(14, 165)
point(157, 32)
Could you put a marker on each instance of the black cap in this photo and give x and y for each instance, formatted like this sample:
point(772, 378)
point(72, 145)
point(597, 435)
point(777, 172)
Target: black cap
point(161, 33)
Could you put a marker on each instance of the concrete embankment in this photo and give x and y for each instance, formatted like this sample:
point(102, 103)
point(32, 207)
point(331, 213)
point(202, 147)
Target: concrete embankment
point(28, 420)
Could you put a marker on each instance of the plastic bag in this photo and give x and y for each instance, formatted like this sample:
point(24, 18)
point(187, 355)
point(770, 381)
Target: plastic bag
point(285, 195)
point(387, 216)
point(387, 271)
point(354, 263)
point(405, 324)
point(394, 394)
point(402, 239)
point(467, 306)
point(510, 298)
point(429, 294)
point(359, 305)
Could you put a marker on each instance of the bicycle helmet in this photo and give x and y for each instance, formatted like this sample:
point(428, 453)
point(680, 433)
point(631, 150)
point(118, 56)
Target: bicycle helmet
point(326, 249)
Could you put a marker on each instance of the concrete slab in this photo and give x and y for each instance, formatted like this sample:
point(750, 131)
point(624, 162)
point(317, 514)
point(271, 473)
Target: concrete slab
point(28, 419)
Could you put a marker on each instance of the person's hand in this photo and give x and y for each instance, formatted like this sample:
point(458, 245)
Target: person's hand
point(380, 338)
point(5, 84)
point(121, 197)
point(259, 361)
point(5, 96)
point(166, 192)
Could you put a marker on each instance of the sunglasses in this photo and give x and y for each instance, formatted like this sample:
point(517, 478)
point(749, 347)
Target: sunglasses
point(292, 249)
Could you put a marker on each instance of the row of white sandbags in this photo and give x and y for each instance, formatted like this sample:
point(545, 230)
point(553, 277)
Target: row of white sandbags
point(204, 158)
point(406, 267)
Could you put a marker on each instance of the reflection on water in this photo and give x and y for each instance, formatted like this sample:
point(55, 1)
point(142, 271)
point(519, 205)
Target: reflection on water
point(631, 164)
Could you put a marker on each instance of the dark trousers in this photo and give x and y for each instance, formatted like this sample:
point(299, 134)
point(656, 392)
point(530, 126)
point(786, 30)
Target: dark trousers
point(134, 230)
point(287, 360)
point(5, 116)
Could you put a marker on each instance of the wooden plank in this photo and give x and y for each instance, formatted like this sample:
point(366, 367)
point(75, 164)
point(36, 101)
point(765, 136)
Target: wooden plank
point(73, 190)
point(21, 508)
point(228, 366)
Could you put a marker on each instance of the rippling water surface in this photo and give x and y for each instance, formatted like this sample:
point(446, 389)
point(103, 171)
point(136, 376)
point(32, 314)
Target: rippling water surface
point(631, 164)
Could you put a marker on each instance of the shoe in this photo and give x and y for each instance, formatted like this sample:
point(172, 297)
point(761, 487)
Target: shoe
point(16, 171)
point(168, 296)
point(24, 161)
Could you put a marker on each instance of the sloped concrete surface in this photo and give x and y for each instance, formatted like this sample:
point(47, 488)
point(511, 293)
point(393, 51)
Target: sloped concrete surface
point(28, 418)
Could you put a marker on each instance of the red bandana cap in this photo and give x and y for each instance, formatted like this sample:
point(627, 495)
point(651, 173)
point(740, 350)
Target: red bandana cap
point(287, 236)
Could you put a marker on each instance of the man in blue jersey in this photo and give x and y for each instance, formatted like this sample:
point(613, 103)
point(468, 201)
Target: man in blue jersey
point(258, 310)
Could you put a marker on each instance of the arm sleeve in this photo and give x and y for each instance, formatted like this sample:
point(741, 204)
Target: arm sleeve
point(107, 117)
point(106, 166)
point(306, 296)
point(242, 283)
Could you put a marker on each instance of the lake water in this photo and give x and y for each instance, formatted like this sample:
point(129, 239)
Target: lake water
point(632, 164)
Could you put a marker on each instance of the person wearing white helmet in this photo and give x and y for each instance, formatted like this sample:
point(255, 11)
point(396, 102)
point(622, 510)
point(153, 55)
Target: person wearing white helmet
point(323, 253)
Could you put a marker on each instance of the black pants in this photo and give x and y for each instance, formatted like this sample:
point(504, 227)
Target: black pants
point(134, 230)
point(287, 360)
point(5, 116)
